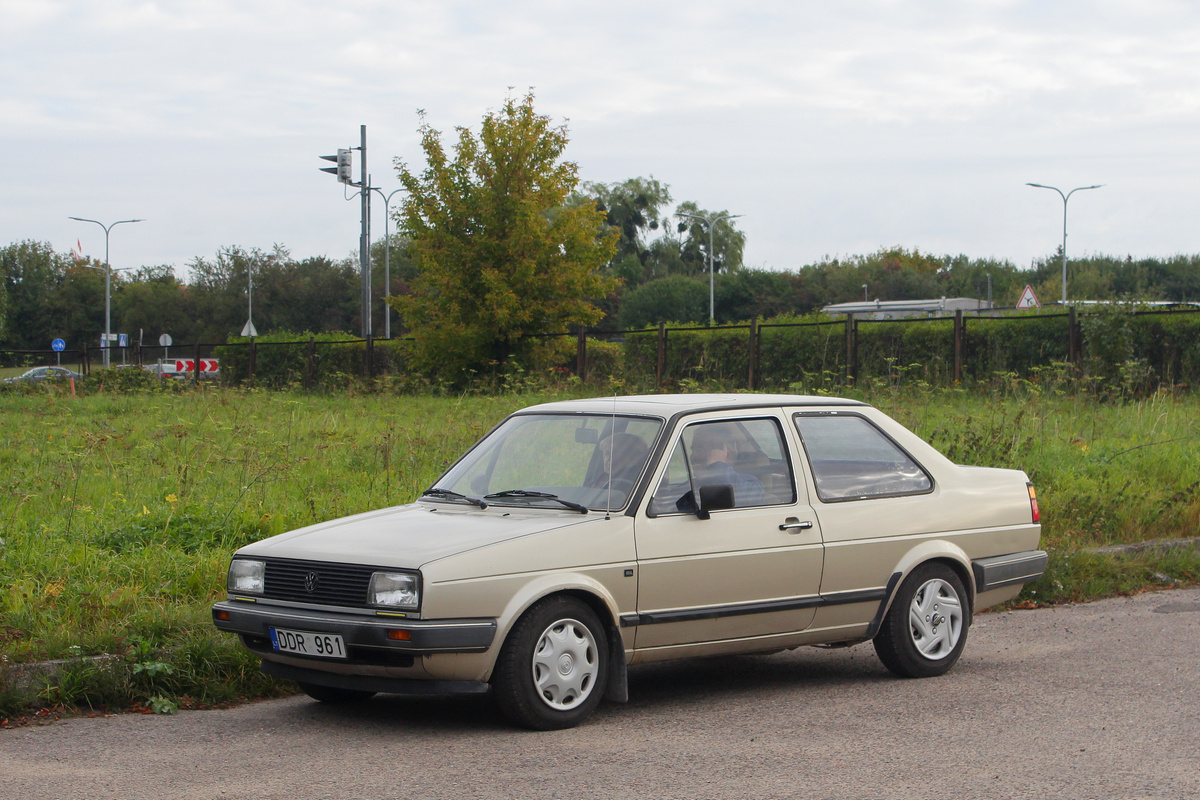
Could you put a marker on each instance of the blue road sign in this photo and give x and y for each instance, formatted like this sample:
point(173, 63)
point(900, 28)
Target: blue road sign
point(58, 345)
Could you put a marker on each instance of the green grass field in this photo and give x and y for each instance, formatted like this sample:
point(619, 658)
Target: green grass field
point(118, 512)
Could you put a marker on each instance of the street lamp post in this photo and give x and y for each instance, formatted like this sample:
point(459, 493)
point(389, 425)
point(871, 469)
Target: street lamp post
point(711, 223)
point(1065, 198)
point(107, 280)
point(387, 258)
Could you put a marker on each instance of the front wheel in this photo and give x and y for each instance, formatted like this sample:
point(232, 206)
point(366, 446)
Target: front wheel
point(553, 668)
point(925, 630)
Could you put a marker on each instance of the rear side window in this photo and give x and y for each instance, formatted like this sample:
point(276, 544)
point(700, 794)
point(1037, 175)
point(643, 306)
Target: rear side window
point(851, 459)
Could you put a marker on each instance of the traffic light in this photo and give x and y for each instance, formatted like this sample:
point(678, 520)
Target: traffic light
point(344, 168)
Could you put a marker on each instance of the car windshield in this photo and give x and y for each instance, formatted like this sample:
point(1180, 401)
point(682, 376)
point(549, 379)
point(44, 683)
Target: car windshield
point(573, 461)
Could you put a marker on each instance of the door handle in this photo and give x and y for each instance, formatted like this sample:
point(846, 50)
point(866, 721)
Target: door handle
point(793, 525)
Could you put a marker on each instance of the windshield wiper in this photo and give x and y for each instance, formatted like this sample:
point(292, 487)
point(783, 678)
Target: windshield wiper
point(537, 496)
point(446, 494)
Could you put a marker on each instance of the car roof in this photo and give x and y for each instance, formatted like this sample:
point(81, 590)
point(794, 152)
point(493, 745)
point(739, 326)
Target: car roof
point(667, 405)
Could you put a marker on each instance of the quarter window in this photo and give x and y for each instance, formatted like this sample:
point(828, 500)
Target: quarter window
point(851, 459)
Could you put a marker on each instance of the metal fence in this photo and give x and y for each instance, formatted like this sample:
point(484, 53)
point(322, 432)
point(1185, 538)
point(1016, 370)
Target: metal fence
point(754, 355)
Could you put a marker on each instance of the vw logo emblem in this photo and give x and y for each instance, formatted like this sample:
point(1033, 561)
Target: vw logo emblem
point(310, 582)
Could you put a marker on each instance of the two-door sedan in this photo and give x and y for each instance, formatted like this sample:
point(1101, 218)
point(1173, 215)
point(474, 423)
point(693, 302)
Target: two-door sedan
point(579, 538)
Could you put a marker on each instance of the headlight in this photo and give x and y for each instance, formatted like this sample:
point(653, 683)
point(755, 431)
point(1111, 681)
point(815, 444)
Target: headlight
point(395, 590)
point(246, 576)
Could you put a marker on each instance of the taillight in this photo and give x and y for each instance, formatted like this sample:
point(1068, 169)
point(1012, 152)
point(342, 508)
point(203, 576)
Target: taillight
point(1033, 506)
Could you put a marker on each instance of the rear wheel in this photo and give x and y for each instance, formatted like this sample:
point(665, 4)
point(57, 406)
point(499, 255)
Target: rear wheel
point(553, 667)
point(334, 695)
point(925, 630)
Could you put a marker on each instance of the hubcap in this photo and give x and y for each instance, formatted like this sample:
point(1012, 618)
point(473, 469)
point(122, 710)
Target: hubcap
point(935, 619)
point(564, 664)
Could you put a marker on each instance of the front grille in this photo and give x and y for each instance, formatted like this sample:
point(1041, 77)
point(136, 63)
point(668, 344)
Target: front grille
point(318, 582)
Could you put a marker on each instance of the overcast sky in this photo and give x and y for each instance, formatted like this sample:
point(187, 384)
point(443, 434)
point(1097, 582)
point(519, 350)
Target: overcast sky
point(835, 128)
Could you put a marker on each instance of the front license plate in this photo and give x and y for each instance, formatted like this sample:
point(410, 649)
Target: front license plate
point(308, 643)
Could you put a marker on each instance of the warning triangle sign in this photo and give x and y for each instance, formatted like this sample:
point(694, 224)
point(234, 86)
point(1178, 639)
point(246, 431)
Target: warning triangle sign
point(1028, 299)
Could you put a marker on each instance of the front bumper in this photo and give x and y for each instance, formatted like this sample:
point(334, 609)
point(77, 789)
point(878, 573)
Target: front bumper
point(373, 683)
point(367, 638)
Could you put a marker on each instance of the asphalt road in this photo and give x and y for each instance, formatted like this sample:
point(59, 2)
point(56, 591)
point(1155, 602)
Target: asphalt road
point(1091, 701)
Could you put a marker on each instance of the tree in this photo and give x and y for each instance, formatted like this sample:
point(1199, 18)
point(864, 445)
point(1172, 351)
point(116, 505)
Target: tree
point(154, 302)
point(633, 208)
point(218, 292)
point(76, 306)
point(500, 251)
point(728, 242)
point(315, 295)
point(676, 298)
point(747, 293)
point(32, 274)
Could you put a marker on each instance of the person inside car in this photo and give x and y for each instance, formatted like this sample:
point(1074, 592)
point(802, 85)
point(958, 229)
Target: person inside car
point(713, 456)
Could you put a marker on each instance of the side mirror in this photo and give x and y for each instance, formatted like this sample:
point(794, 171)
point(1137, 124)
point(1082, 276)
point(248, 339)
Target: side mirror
point(713, 497)
point(716, 497)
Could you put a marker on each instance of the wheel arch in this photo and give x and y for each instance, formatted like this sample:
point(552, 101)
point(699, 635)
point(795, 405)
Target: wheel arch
point(937, 552)
point(580, 587)
point(595, 597)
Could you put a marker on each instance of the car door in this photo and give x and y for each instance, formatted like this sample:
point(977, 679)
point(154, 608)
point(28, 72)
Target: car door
point(748, 574)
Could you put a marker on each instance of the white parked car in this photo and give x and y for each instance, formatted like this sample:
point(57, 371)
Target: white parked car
point(579, 538)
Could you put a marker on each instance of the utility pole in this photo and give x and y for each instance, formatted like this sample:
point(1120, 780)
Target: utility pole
point(364, 188)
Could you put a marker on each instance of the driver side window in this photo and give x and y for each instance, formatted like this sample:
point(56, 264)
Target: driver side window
point(747, 455)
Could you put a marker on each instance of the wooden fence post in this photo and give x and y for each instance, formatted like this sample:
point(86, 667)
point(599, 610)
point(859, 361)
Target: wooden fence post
point(959, 329)
point(310, 363)
point(851, 349)
point(751, 371)
point(581, 354)
point(1073, 349)
point(196, 364)
point(662, 356)
point(84, 362)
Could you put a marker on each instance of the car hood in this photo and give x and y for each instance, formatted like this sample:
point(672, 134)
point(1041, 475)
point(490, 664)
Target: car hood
point(411, 535)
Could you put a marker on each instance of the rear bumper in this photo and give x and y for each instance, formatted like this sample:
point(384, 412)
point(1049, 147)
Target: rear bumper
point(1008, 570)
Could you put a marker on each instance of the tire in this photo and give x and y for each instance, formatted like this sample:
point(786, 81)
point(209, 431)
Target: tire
point(553, 668)
point(333, 695)
point(925, 630)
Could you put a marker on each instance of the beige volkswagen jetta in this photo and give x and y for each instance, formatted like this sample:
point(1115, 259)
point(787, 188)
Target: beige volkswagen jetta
point(579, 538)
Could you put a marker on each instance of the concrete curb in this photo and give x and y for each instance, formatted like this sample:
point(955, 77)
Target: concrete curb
point(1153, 545)
point(23, 677)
